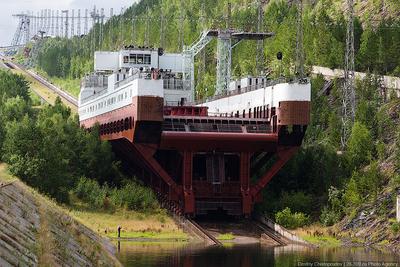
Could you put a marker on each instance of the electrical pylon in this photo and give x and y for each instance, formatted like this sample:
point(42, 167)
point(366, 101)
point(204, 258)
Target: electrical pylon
point(260, 58)
point(299, 42)
point(349, 98)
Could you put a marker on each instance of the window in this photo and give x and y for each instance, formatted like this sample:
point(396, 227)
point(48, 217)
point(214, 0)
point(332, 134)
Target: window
point(132, 58)
point(147, 59)
point(139, 59)
point(126, 59)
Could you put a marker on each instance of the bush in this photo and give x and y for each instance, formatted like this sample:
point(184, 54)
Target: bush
point(395, 227)
point(91, 192)
point(360, 146)
point(134, 196)
point(297, 201)
point(291, 220)
point(351, 196)
point(329, 217)
point(333, 211)
point(131, 196)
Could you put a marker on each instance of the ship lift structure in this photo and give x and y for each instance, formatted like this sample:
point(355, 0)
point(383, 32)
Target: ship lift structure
point(202, 158)
point(227, 40)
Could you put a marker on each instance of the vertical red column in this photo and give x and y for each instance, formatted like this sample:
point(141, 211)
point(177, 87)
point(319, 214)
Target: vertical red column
point(187, 182)
point(245, 182)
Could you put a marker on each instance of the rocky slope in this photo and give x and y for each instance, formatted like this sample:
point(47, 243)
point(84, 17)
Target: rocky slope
point(34, 231)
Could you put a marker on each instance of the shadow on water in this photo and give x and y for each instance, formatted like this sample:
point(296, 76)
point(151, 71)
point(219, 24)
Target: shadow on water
point(188, 255)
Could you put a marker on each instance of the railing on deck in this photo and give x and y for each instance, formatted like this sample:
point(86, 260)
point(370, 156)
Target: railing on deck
point(242, 90)
point(95, 81)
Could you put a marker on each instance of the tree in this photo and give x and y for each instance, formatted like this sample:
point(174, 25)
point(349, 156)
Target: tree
point(360, 146)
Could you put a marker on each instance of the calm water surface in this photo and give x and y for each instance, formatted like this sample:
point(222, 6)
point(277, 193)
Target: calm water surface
point(188, 255)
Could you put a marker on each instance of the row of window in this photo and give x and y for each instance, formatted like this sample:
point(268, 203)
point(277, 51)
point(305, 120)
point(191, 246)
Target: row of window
point(107, 102)
point(138, 59)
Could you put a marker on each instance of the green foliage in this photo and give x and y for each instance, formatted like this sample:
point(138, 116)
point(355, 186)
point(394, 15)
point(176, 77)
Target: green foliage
point(297, 201)
point(131, 196)
point(91, 192)
point(360, 145)
point(13, 85)
point(135, 197)
point(363, 184)
point(395, 227)
point(329, 217)
point(352, 197)
point(46, 148)
point(333, 211)
point(291, 220)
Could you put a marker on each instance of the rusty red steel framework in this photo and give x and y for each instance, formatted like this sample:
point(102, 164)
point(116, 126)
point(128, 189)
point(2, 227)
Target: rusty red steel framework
point(203, 162)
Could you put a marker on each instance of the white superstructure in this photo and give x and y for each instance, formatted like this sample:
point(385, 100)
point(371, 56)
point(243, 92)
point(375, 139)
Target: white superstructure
point(132, 72)
point(258, 95)
point(120, 76)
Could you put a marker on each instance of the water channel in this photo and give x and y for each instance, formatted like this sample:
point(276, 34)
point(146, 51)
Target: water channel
point(189, 255)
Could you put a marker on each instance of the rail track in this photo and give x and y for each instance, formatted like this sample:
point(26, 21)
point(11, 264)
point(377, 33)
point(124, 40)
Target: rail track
point(64, 95)
point(189, 225)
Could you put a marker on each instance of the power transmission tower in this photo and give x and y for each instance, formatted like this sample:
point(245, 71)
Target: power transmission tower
point(72, 23)
point(224, 51)
point(22, 34)
point(48, 18)
point(133, 26)
point(61, 23)
point(57, 32)
point(44, 17)
point(349, 98)
point(202, 57)
point(40, 20)
point(93, 34)
point(181, 27)
point(101, 27)
point(110, 31)
point(229, 17)
point(299, 41)
point(52, 23)
point(37, 27)
point(260, 43)
point(79, 23)
point(162, 31)
point(66, 24)
point(147, 30)
point(85, 29)
point(27, 29)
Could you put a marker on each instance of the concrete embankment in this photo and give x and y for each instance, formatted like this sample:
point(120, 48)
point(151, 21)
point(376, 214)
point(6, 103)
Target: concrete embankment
point(35, 231)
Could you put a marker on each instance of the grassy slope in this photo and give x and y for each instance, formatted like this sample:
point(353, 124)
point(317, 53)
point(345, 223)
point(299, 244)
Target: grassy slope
point(157, 225)
point(69, 85)
point(318, 235)
point(134, 224)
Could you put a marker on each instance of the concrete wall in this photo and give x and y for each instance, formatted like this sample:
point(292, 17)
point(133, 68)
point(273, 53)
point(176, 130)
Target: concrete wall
point(282, 231)
point(388, 81)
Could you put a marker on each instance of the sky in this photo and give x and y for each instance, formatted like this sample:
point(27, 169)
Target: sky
point(8, 24)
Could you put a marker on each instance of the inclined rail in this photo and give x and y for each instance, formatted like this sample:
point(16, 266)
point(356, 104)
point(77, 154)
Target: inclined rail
point(64, 95)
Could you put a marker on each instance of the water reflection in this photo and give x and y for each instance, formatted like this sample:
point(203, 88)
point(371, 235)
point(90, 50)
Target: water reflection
point(188, 255)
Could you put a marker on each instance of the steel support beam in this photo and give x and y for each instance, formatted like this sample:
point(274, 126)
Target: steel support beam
point(245, 182)
point(284, 154)
point(146, 153)
point(187, 171)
